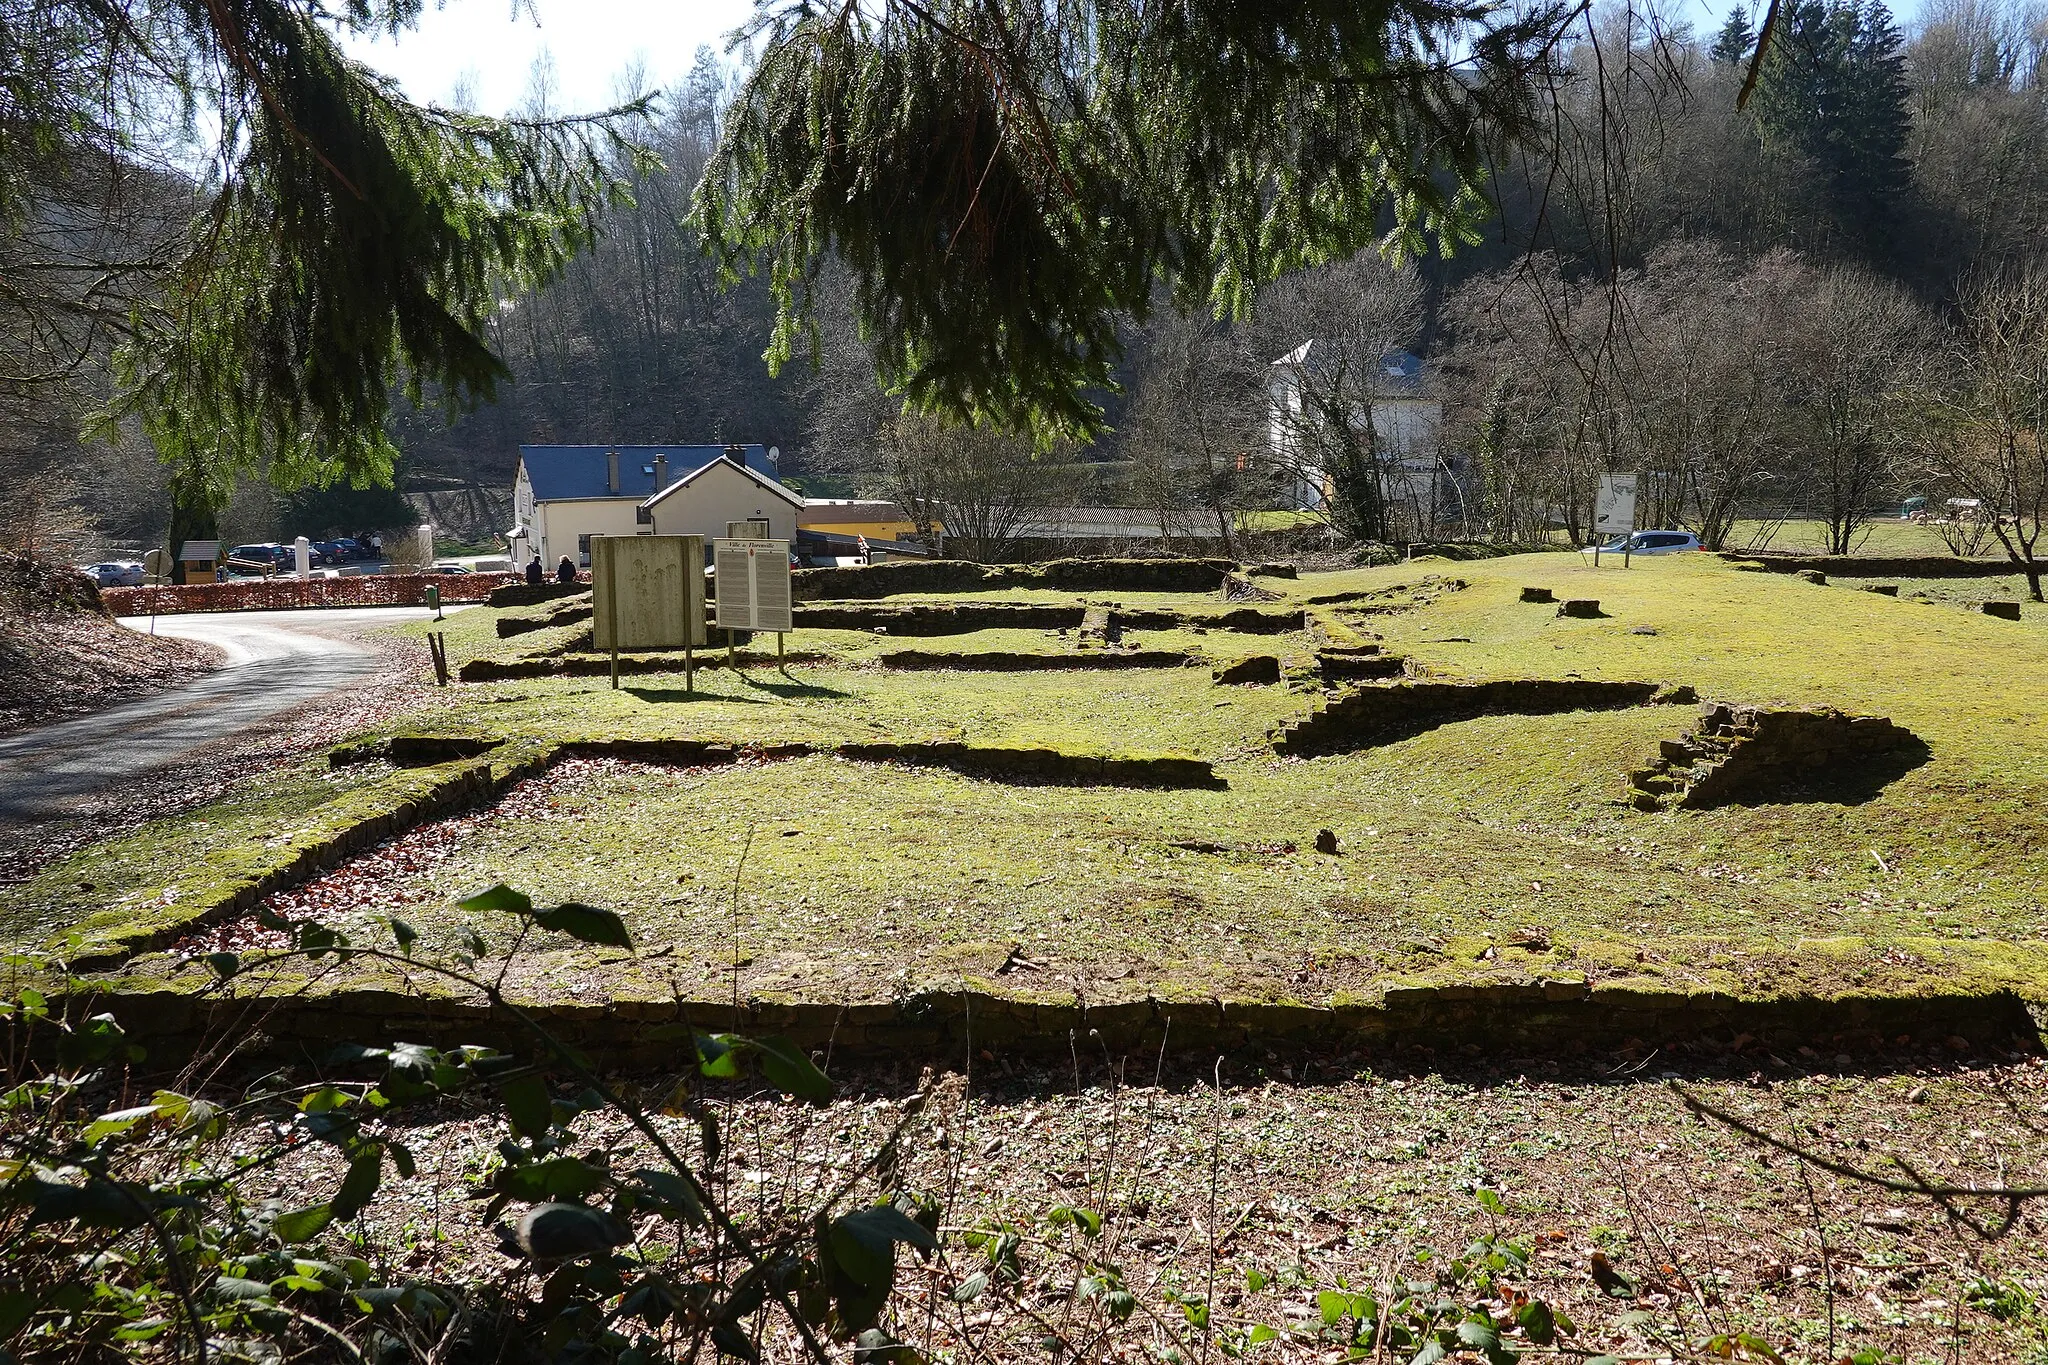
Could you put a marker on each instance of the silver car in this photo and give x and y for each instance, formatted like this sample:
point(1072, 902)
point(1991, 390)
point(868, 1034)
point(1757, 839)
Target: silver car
point(117, 573)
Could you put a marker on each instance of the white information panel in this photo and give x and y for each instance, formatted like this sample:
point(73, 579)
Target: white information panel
point(752, 578)
point(1614, 510)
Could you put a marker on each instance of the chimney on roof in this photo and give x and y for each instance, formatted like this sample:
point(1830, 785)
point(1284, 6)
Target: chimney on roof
point(660, 471)
point(737, 454)
point(611, 471)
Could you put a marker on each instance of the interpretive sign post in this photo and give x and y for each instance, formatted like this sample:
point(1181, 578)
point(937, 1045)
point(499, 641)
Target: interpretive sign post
point(647, 592)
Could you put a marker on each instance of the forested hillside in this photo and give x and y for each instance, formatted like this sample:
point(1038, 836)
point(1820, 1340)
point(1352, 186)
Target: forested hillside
point(1651, 229)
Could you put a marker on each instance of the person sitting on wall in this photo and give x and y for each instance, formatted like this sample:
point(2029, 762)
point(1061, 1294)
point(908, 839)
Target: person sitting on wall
point(535, 573)
point(565, 572)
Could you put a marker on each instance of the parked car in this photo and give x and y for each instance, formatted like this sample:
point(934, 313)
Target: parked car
point(277, 556)
point(327, 552)
point(351, 548)
point(117, 573)
point(448, 566)
point(1650, 543)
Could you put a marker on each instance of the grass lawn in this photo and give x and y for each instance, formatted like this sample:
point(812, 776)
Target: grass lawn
point(1495, 848)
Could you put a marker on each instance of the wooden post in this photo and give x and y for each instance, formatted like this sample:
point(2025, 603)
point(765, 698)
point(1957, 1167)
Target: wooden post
point(781, 658)
point(731, 657)
point(611, 595)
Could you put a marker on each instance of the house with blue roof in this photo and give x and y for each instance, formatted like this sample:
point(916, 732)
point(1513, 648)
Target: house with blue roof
point(564, 495)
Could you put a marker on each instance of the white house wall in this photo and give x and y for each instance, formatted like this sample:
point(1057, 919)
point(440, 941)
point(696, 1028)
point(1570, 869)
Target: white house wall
point(560, 526)
point(717, 496)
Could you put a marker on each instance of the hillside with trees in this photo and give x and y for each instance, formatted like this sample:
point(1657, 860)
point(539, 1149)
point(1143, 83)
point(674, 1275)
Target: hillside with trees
point(1804, 260)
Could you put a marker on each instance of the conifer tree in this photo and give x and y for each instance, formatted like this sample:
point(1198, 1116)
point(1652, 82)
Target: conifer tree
point(340, 241)
point(1735, 39)
point(1009, 179)
point(1833, 90)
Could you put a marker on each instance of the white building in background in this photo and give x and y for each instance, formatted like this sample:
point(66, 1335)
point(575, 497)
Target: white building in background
point(564, 495)
point(706, 500)
point(1405, 419)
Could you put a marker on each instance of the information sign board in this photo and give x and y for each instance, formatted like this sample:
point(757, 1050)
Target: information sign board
point(647, 592)
point(1614, 510)
point(753, 584)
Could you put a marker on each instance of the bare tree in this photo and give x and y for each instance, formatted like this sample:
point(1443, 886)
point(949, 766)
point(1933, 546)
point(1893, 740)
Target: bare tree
point(987, 488)
point(1990, 438)
point(1195, 424)
point(1330, 332)
point(1852, 355)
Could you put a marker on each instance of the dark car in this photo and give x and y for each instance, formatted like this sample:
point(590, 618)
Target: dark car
point(270, 552)
point(330, 552)
point(351, 548)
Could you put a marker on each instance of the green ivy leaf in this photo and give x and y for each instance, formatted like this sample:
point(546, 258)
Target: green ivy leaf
point(302, 1225)
point(790, 1069)
point(717, 1055)
point(1537, 1322)
point(224, 965)
point(586, 924)
point(558, 1177)
point(674, 1193)
point(1262, 1334)
point(971, 1288)
point(17, 1306)
point(498, 897)
point(528, 1105)
point(359, 1186)
point(1490, 1200)
point(405, 934)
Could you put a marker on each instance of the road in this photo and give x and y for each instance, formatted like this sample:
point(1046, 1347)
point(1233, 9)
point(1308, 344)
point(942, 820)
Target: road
point(276, 660)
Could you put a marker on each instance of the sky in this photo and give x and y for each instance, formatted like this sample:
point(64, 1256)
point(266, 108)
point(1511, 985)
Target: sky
point(478, 43)
point(590, 42)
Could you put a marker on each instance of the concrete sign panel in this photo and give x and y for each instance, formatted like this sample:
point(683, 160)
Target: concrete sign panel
point(647, 592)
point(1614, 510)
point(753, 584)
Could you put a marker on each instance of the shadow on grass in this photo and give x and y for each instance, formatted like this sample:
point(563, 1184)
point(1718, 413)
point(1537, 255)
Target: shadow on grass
point(669, 695)
point(1847, 785)
point(790, 687)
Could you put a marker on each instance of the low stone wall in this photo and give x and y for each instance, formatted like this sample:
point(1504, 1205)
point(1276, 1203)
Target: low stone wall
point(958, 575)
point(566, 613)
point(519, 593)
point(937, 618)
point(1876, 566)
point(1374, 714)
point(1749, 753)
point(169, 1008)
point(1005, 661)
point(1241, 620)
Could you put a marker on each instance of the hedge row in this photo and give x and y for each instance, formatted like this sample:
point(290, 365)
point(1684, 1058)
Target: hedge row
point(292, 593)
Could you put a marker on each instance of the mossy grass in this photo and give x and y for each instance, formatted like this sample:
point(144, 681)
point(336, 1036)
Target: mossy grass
point(1459, 848)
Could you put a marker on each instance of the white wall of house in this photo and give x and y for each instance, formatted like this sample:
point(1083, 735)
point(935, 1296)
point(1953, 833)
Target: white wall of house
point(563, 527)
point(718, 495)
point(1403, 428)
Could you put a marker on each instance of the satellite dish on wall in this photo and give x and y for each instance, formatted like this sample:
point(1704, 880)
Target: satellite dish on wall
point(775, 455)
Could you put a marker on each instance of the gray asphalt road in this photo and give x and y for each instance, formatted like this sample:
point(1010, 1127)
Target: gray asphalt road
point(275, 660)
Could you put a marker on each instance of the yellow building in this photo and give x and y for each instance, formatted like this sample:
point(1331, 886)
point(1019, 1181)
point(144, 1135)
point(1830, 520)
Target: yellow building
point(873, 518)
